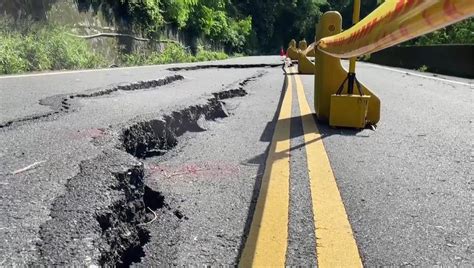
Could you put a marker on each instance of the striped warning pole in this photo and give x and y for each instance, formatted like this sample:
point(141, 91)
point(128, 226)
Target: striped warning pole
point(394, 22)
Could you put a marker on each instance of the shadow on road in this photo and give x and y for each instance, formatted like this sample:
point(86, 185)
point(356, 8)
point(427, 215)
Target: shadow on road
point(295, 132)
point(267, 136)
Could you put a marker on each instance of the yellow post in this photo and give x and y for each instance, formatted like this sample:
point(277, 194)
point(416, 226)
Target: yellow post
point(355, 19)
point(292, 43)
point(292, 51)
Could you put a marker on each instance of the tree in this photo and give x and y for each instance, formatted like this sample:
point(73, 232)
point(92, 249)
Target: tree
point(459, 33)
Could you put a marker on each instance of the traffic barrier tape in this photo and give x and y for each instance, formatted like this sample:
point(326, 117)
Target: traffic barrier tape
point(394, 22)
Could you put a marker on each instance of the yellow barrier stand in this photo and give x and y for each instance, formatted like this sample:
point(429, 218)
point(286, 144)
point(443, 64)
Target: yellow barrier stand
point(349, 110)
point(292, 51)
point(393, 22)
point(292, 43)
point(329, 75)
point(302, 45)
point(305, 66)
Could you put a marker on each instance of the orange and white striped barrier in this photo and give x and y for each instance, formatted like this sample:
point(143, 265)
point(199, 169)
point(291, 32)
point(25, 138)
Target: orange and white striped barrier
point(394, 22)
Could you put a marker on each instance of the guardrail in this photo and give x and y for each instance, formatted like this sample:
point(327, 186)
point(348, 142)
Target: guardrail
point(393, 22)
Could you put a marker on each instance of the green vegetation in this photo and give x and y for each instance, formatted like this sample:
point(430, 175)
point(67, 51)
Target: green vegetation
point(51, 48)
point(251, 26)
point(171, 54)
point(215, 20)
point(238, 27)
point(459, 33)
point(44, 49)
point(422, 68)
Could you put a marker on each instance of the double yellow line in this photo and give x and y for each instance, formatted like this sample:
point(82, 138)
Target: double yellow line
point(267, 242)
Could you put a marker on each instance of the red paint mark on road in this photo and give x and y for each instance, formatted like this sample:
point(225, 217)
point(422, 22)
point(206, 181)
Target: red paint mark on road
point(92, 133)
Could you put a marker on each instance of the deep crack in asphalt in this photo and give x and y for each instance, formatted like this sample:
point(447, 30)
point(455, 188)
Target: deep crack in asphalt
point(102, 216)
point(225, 66)
point(61, 104)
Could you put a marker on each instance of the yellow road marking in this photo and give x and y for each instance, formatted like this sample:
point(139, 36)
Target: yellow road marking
point(336, 246)
point(267, 242)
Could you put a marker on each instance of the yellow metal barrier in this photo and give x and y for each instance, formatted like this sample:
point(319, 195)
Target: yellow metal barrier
point(302, 45)
point(393, 22)
point(348, 110)
point(305, 66)
point(330, 75)
point(292, 51)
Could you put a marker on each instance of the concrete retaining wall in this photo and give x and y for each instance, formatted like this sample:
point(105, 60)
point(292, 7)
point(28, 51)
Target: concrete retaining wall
point(455, 60)
point(82, 20)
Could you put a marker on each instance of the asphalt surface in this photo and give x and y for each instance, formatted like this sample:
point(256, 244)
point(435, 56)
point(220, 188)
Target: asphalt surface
point(165, 172)
point(301, 233)
point(407, 187)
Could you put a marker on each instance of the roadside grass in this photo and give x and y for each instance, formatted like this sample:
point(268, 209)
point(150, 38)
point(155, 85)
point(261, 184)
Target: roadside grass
point(423, 68)
point(44, 48)
point(173, 53)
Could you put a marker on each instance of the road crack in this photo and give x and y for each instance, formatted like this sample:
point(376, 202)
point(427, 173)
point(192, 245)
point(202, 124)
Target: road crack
point(225, 66)
point(62, 104)
point(105, 212)
point(155, 137)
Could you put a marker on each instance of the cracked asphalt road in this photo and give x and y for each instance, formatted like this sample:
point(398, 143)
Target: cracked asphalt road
point(407, 187)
